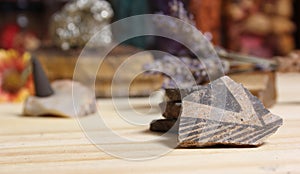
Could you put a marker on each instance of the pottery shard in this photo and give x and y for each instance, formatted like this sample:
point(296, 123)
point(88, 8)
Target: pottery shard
point(164, 125)
point(224, 112)
point(170, 110)
point(176, 94)
point(61, 102)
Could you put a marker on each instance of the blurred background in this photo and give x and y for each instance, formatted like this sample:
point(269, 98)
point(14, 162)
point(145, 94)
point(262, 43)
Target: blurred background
point(260, 27)
point(267, 29)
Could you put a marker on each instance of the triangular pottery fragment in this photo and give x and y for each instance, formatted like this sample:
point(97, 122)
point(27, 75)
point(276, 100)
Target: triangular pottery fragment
point(224, 112)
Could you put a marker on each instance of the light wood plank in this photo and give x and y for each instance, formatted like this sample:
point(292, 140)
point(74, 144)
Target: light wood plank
point(56, 145)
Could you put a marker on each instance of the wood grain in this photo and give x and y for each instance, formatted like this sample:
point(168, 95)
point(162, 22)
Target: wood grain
point(55, 145)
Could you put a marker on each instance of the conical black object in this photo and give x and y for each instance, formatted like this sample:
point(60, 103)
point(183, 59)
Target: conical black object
point(41, 82)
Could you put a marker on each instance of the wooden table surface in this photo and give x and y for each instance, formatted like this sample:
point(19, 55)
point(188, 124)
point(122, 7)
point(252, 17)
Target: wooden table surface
point(58, 145)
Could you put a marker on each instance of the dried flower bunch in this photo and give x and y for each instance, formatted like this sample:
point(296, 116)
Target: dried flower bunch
point(15, 77)
point(187, 71)
point(197, 42)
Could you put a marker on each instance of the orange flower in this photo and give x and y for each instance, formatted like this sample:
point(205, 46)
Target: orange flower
point(15, 78)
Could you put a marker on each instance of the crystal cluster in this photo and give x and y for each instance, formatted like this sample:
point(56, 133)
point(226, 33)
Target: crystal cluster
point(80, 20)
point(184, 71)
point(178, 71)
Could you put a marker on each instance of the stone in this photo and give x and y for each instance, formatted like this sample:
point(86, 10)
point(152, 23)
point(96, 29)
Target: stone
point(164, 125)
point(176, 94)
point(231, 116)
point(170, 110)
point(61, 102)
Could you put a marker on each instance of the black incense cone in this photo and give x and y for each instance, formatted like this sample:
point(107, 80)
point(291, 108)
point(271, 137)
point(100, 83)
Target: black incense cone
point(41, 82)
